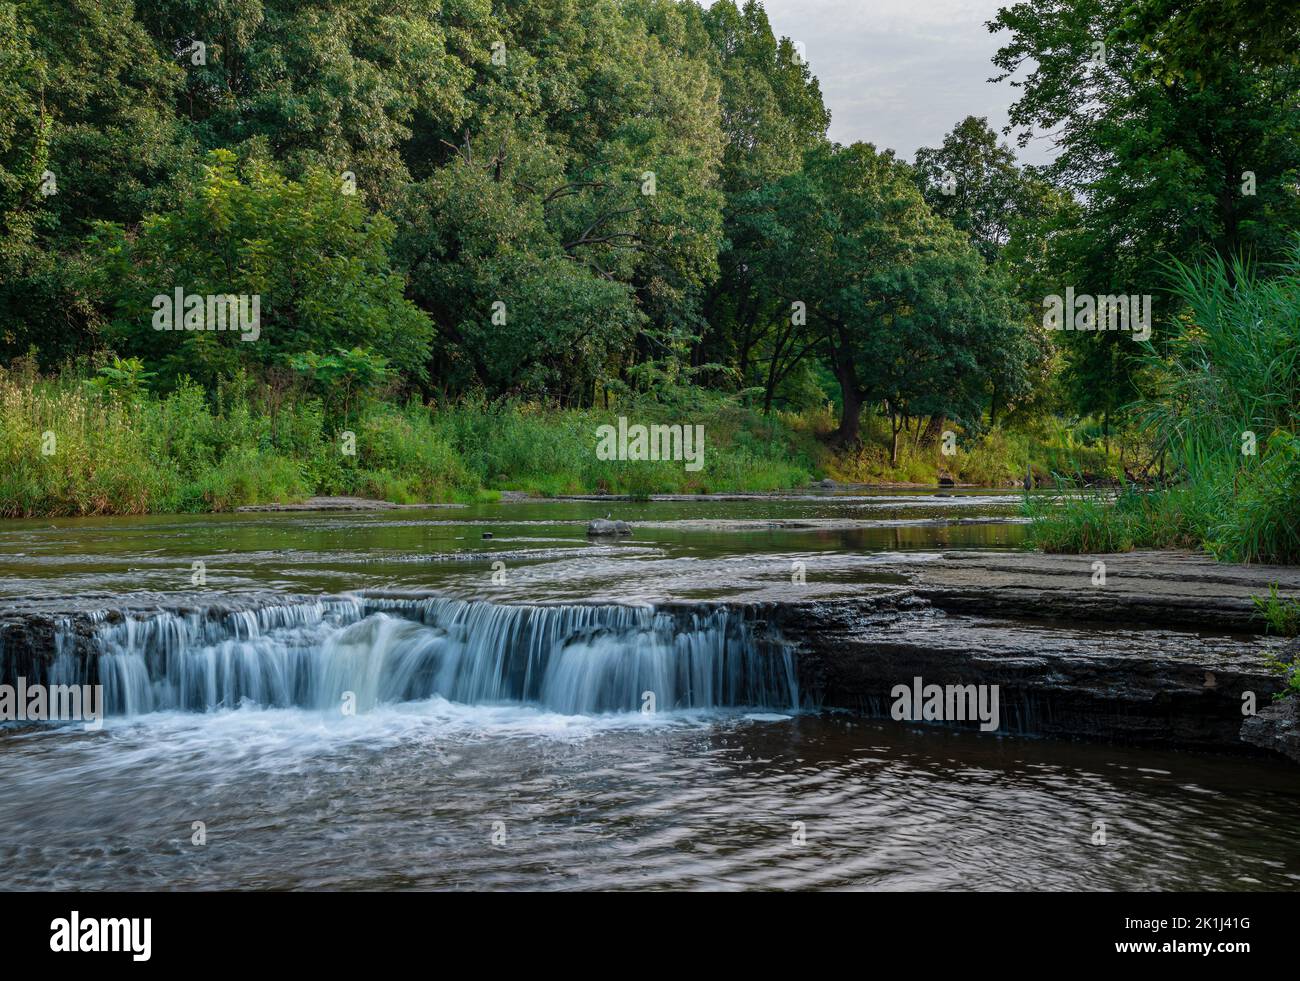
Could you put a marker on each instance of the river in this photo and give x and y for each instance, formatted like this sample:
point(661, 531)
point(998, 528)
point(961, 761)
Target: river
point(477, 718)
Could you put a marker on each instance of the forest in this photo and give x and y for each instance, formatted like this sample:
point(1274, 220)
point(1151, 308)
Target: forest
point(461, 235)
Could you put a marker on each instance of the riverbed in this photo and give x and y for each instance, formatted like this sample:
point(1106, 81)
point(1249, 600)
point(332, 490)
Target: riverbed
point(490, 748)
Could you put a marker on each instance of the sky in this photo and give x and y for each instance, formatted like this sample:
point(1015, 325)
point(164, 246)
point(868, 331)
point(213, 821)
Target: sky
point(902, 73)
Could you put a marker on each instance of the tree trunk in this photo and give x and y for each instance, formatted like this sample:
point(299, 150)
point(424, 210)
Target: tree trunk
point(934, 431)
point(849, 433)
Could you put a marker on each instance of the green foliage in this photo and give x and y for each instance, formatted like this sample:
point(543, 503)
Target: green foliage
point(343, 376)
point(246, 476)
point(1187, 37)
point(316, 263)
point(1157, 157)
point(905, 309)
point(538, 214)
point(1225, 408)
point(125, 378)
point(1079, 521)
point(1282, 614)
point(122, 450)
point(344, 85)
point(974, 182)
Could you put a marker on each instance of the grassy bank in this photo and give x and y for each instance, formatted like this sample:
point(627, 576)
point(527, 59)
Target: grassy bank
point(69, 448)
point(1224, 403)
point(104, 444)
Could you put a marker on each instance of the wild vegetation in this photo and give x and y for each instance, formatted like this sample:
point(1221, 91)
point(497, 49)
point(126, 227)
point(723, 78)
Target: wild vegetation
point(475, 231)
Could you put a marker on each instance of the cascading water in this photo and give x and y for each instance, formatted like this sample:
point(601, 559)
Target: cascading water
point(568, 659)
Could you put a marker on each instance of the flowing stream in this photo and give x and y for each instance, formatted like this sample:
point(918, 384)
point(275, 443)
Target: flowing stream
point(481, 698)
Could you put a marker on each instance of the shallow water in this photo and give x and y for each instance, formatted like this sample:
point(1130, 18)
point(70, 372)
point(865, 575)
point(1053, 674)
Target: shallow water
point(438, 795)
point(561, 784)
point(444, 548)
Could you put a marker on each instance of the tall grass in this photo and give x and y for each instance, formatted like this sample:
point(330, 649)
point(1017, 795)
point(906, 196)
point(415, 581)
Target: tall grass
point(129, 452)
point(1225, 381)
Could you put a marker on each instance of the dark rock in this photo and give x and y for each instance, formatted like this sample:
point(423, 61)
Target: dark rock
point(1174, 589)
point(1275, 728)
point(604, 527)
point(1121, 684)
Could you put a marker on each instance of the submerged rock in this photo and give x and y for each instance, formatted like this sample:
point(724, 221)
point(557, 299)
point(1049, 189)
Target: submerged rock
point(602, 527)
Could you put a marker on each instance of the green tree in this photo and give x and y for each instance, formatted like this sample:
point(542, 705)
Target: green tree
point(517, 305)
point(340, 84)
point(902, 307)
point(314, 258)
point(581, 196)
point(772, 114)
point(973, 181)
point(1165, 165)
point(86, 97)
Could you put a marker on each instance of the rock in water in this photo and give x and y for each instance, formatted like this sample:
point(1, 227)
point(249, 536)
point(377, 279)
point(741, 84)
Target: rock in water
point(1275, 727)
point(604, 526)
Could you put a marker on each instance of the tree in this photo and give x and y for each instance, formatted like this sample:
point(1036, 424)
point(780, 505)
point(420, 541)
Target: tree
point(86, 98)
point(314, 259)
point(1165, 165)
point(581, 196)
point(1188, 37)
point(901, 306)
point(343, 85)
point(772, 113)
point(503, 277)
point(973, 182)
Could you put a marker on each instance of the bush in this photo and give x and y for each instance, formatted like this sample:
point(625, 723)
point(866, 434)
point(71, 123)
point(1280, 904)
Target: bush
point(1229, 374)
point(1072, 521)
point(249, 476)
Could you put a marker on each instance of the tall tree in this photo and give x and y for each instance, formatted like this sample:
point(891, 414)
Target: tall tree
point(900, 304)
point(973, 181)
point(1166, 165)
point(87, 99)
point(772, 113)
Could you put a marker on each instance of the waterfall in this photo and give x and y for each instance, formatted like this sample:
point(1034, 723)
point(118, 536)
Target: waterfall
point(568, 659)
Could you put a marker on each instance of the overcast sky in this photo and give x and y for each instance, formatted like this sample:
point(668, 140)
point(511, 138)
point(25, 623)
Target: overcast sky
point(902, 73)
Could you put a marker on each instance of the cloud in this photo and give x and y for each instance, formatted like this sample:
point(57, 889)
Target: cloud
point(902, 73)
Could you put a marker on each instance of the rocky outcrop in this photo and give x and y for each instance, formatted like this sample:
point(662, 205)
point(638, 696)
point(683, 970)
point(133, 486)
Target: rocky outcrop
point(1276, 728)
point(1161, 650)
point(1149, 588)
point(1125, 684)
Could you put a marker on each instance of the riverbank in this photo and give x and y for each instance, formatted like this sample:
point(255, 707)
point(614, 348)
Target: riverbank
point(69, 447)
